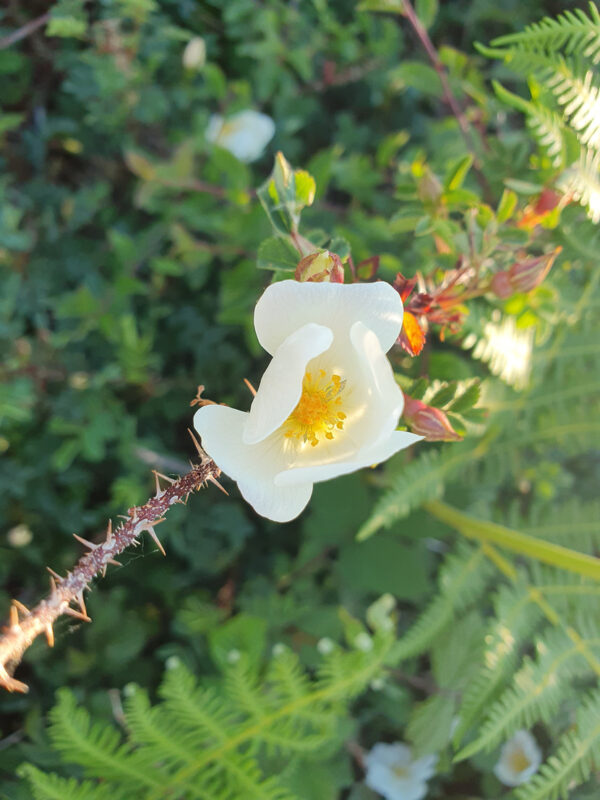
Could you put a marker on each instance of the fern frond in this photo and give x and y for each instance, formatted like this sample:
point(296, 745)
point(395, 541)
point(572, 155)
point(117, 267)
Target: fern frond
point(421, 480)
point(538, 689)
point(463, 579)
point(577, 754)
point(48, 786)
point(582, 181)
point(516, 617)
point(572, 31)
point(97, 747)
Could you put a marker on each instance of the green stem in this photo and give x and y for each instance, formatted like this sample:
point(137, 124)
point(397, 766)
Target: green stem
point(490, 532)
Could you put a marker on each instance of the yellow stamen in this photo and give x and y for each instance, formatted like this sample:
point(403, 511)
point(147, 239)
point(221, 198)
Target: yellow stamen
point(317, 414)
point(519, 761)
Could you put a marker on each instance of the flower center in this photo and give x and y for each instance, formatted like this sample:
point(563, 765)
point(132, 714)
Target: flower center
point(400, 772)
point(519, 761)
point(318, 414)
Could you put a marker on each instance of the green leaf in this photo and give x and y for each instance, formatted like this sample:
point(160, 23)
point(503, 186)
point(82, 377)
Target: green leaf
point(458, 172)
point(67, 19)
point(506, 206)
point(426, 11)
point(277, 253)
point(443, 396)
point(467, 399)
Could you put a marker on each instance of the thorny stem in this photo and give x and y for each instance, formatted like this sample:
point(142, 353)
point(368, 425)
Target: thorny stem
point(25, 625)
point(450, 99)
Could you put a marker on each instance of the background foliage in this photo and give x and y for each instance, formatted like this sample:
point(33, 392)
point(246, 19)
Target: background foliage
point(129, 246)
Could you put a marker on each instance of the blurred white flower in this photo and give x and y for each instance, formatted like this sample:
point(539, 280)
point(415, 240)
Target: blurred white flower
point(327, 403)
point(194, 55)
point(19, 536)
point(392, 771)
point(245, 134)
point(519, 759)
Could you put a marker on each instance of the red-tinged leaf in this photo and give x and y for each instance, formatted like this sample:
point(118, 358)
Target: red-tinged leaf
point(412, 336)
point(404, 286)
point(367, 269)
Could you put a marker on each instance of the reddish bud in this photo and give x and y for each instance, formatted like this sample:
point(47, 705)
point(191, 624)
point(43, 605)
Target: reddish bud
point(429, 422)
point(526, 275)
point(320, 267)
point(501, 285)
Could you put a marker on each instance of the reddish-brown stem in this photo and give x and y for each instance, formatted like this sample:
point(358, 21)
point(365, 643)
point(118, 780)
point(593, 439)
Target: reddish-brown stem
point(66, 593)
point(24, 31)
point(448, 94)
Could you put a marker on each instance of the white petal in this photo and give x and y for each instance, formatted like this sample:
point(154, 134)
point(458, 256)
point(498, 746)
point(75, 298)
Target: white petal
point(367, 457)
point(246, 134)
point(252, 466)
point(213, 129)
point(281, 384)
point(274, 502)
point(288, 305)
point(521, 743)
point(391, 755)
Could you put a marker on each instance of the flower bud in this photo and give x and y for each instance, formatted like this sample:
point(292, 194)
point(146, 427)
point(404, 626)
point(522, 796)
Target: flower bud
point(501, 285)
point(194, 55)
point(429, 422)
point(320, 267)
point(527, 275)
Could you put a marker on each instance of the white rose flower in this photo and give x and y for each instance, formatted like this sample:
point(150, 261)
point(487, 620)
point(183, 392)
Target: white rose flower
point(245, 134)
point(519, 759)
point(392, 771)
point(327, 403)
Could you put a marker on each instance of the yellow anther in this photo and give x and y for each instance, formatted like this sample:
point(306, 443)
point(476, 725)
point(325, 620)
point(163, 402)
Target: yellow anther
point(316, 415)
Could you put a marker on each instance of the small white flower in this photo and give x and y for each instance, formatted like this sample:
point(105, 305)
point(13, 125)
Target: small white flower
point(194, 55)
point(363, 642)
point(245, 134)
point(392, 771)
point(519, 759)
point(327, 403)
point(325, 646)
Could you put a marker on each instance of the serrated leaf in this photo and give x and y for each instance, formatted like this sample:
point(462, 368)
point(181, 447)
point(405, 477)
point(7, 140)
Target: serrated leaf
point(466, 400)
point(277, 253)
point(443, 396)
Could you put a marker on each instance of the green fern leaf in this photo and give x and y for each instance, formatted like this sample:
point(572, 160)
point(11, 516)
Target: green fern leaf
point(577, 754)
point(48, 786)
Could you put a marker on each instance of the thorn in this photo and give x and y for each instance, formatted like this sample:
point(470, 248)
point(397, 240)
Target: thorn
point(164, 477)
point(49, 635)
point(249, 385)
point(85, 543)
point(52, 585)
point(81, 602)
point(14, 617)
point(155, 539)
point(55, 575)
point(159, 491)
point(113, 562)
point(72, 612)
point(109, 531)
point(196, 443)
point(11, 684)
point(158, 521)
point(22, 608)
point(213, 480)
point(123, 516)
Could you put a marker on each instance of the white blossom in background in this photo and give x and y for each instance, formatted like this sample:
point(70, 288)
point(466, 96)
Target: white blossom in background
point(394, 773)
point(194, 55)
point(245, 134)
point(519, 759)
point(327, 403)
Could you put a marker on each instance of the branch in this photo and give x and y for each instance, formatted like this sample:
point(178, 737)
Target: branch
point(450, 99)
point(66, 592)
point(24, 31)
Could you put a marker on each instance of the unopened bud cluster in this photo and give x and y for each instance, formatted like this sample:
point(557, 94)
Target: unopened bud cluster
point(320, 267)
